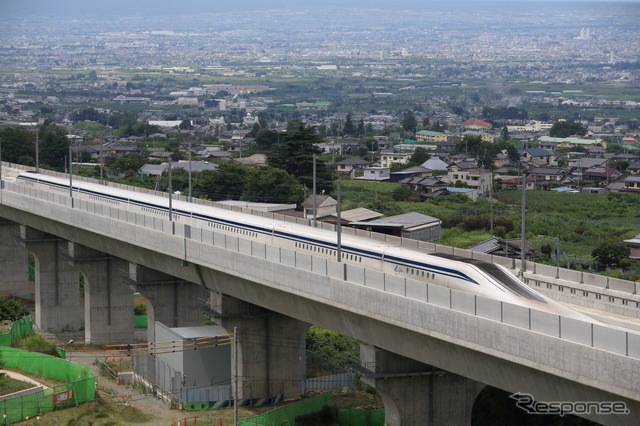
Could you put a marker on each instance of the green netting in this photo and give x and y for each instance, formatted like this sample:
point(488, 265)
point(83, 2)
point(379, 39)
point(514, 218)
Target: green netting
point(19, 329)
point(139, 321)
point(82, 384)
point(360, 418)
point(284, 416)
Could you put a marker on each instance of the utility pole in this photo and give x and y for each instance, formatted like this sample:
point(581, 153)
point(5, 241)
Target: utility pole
point(339, 223)
point(235, 376)
point(314, 191)
point(37, 147)
point(523, 258)
point(189, 170)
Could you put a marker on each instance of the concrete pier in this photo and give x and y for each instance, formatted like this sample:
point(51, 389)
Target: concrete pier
point(173, 302)
point(416, 393)
point(271, 354)
point(108, 301)
point(59, 304)
point(14, 263)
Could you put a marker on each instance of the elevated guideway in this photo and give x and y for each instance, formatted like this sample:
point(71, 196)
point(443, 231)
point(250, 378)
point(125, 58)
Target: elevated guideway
point(507, 346)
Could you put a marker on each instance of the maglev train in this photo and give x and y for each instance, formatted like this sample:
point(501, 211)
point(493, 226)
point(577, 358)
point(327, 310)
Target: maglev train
point(469, 275)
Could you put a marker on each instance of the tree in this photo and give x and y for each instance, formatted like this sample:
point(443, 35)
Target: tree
point(53, 145)
point(185, 125)
point(271, 185)
point(12, 310)
point(504, 133)
point(294, 154)
point(266, 138)
point(419, 156)
point(409, 122)
point(228, 182)
point(564, 129)
point(609, 253)
point(348, 127)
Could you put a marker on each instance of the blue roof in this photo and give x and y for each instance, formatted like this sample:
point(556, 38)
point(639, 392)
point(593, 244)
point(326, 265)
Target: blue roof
point(564, 189)
point(459, 190)
point(536, 152)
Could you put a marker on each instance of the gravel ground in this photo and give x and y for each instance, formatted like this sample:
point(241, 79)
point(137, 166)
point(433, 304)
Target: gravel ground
point(158, 411)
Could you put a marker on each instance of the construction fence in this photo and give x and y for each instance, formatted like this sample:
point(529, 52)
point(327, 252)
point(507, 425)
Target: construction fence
point(80, 386)
point(19, 329)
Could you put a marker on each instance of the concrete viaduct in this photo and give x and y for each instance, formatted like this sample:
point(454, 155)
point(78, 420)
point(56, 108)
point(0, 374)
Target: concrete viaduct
point(429, 350)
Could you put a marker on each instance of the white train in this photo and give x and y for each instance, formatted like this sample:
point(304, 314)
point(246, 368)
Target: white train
point(470, 275)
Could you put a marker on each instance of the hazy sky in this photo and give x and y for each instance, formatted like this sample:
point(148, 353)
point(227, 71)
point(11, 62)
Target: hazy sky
point(124, 7)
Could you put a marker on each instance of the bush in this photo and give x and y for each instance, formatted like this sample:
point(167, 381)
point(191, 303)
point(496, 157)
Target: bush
point(37, 343)
point(11, 310)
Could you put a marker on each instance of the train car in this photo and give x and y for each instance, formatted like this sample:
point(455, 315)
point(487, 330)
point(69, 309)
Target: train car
point(470, 275)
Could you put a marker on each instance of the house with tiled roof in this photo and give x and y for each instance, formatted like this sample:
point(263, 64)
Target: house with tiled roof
point(598, 174)
point(349, 165)
point(477, 125)
point(546, 175)
point(540, 154)
point(632, 184)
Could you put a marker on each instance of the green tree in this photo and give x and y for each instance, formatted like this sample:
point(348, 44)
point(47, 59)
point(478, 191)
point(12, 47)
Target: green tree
point(419, 156)
point(294, 154)
point(409, 122)
point(271, 185)
point(11, 310)
point(18, 145)
point(53, 145)
point(185, 124)
point(564, 129)
point(228, 182)
point(266, 139)
point(129, 163)
point(331, 345)
point(348, 128)
point(609, 253)
point(504, 134)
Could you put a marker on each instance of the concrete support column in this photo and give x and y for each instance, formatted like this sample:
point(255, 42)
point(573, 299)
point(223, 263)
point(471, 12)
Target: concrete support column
point(59, 304)
point(173, 302)
point(416, 393)
point(108, 301)
point(14, 263)
point(271, 357)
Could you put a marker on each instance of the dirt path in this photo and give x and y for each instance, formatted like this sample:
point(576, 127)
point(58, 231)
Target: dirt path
point(158, 411)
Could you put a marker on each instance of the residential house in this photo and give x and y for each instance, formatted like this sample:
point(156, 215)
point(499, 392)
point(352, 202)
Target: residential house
point(350, 165)
point(468, 173)
point(359, 214)
point(416, 171)
point(426, 186)
point(431, 136)
point(506, 248)
point(516, 183)
point(435, 163)
point(375, 174)
point(634, 168)
point(634, 247)
point(324, 206)
point(600, 175)
point(415, 226)
point(391, 157)
point(546, 175)
point(118, 149)
point(581, 165)
point(542, 155)
point(632, 184)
